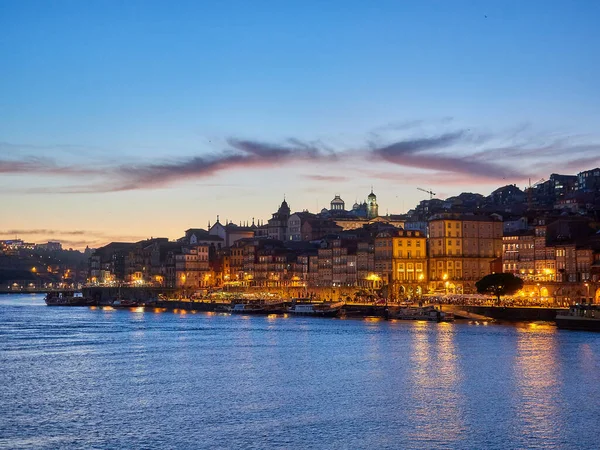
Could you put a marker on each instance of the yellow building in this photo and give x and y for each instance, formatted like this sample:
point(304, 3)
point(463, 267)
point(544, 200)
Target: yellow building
point(461, 251)
point(409, 264)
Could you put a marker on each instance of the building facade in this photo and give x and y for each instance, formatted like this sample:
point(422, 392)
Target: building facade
point(462, 249)
point(409, 264)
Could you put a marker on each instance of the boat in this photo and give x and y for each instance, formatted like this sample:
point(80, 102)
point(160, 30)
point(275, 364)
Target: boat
point(68, 298)
point(326, 309)
point(582, 316)
point(429, 313)
point(257, 306)
point(126, 303)
point(247, 308)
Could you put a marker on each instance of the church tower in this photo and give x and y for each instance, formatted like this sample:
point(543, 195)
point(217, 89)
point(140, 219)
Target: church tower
point(372, 207)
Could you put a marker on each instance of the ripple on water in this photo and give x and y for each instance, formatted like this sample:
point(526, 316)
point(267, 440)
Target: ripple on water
point(85, 378)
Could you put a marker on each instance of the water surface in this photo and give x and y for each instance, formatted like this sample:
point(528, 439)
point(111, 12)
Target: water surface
point(94, 378)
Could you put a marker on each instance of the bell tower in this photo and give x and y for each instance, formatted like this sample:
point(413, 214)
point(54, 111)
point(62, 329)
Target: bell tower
point(372, 207)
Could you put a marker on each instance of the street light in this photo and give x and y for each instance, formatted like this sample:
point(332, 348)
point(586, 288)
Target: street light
point(587, 286)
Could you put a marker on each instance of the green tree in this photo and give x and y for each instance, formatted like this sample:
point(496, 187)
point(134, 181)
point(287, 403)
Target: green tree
point(499, 284)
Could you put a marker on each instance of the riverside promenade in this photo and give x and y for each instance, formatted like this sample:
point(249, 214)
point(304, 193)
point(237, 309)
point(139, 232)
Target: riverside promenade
point(352, 309)
point(171, 299)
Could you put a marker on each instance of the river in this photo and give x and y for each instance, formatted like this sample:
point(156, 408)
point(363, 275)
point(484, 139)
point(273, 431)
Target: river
point(96, 378)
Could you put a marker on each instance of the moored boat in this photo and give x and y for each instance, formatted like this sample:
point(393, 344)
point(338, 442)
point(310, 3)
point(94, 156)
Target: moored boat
point(582, 316)
point(259, 306)
point(428, 313)
point(248, 308)
point(325, 309)
point(126, 303)
point(68, 298)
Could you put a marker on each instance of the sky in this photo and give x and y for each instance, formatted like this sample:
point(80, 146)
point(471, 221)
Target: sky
point(124, 120)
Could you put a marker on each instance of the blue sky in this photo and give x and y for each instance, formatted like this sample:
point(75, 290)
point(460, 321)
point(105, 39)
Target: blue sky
point(138, 119)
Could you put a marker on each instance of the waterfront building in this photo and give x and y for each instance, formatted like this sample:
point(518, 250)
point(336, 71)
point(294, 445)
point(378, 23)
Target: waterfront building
point(409, 264)
point(365, 266)
point(270, 267)
point(134, 263)
point(344, 263)
point(555, 258)
point(461, 250)
point(518, 254)
point(236, 260)
point(192, 269)
point(383, 255)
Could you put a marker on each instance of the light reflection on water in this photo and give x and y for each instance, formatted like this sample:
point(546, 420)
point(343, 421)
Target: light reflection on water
point(536, 378)
point(106, 378)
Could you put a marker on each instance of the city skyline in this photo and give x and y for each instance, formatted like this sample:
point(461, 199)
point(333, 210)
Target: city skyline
point(147, 119)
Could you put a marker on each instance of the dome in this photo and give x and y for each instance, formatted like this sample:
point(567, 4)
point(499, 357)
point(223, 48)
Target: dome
point(371, 195)
point(337, 203)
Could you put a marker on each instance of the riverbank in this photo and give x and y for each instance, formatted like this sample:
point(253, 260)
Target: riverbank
point(508, 314)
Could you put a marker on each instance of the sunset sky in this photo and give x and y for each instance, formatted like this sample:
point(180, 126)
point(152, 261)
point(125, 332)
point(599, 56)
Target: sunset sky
point(126, 120)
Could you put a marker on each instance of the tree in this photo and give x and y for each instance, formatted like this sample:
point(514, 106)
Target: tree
point(499, 284)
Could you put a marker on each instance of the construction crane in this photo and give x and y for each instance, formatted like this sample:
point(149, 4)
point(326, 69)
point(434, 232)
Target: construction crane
point(530, 190)
point(430, 192)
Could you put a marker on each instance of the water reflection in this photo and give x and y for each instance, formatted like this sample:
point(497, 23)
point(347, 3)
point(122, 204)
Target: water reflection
point(536, 378)
point(84, 378)
point(435, 381)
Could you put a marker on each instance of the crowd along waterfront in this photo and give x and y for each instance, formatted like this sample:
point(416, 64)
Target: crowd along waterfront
point(121, 378)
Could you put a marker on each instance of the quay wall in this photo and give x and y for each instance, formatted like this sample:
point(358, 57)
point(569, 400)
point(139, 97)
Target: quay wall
point(510, 314)
point(106, 294)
